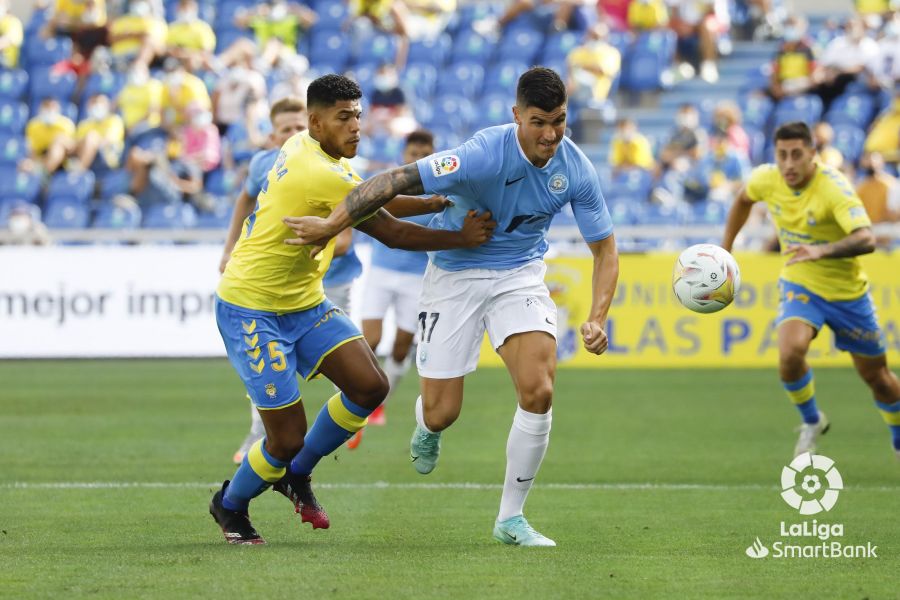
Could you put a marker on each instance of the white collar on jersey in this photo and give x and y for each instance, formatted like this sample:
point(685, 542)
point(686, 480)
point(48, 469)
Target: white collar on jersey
point(522, 153)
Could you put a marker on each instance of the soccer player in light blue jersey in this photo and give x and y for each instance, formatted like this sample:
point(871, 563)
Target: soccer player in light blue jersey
point(395, 282)
point(288, 116)
point(523, 174)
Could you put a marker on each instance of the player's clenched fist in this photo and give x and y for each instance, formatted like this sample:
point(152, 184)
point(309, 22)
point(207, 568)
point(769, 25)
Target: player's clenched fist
point(595, 340)
point(477, 228)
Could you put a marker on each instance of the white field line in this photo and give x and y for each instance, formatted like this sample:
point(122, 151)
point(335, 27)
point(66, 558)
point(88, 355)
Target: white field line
point(384, 485)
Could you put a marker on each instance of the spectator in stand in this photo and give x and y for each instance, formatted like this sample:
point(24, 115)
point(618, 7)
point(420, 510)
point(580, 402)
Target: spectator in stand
point(727, 118)
point(886, 69)
point(50, 136)
point(290, 80)
point(647, 15)
point(428, 19)
point(884, 135)
point(687, 140)
point(82, 20)
point(11, 36)
point(593, 67)
point(719, 174)
point(565, 15)
point(794, 66)
point(100, 137)
point(181, 90)
point(191, 39)
point(236, 91)
point(823, 136)
point(614, 13)
point(878, 190)
point(699, 24)
point(629, 149)
point(388, 110)
point(846, 59)
point(386, 15)
point(137, 37)
point(140, 102)
point(24, 225)
point(277, 26)
point(201, 145)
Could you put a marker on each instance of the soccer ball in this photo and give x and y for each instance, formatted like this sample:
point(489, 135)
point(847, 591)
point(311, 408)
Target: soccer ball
point(706, 278)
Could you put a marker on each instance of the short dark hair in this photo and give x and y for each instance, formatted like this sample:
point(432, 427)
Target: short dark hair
point(329, 89)
point(420, 136)
point(289, 104)
point(795, 130)
point(542, 88)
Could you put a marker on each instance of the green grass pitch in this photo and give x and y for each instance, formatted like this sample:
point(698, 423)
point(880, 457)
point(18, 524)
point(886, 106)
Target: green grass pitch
point(654, 484)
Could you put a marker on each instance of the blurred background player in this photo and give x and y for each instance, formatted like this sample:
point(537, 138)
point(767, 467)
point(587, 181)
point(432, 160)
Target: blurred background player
point(395, 281)
point(823, 227)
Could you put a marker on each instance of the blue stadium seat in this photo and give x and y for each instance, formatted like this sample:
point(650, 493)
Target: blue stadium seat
point(632, 182)
point(36, 22)
point(227, 36)
point(115, 216)
point(851, 109)
point(652, 213)
point(756, 110)
point(169, 216)
point(623, 209)
point(238, 142)
point(471, 47)
point(329, 50)
point(503, 76)
point(621, 41)
point(708, 213)
point(38, 52)
point(45, 84)
point(364, 75)
point(70, 184)
point(558, 46)
point(659, 41)
point(456, 111)
point(806, 108)
point(461, 78)
point(114, 182)
point(220, 182)
point(470, 12)
point(226, 12)
point(445, 137)
point(332, 14)
point(13, 84)
point(420, 80)
point(849, 139)
point(523, 44)
point(642, 71)
point(757, 144)
point(104, 83)
point(65, 212)
point(217, 219)
point(13, 117)
point(374, 50)
point(19, 185)
point(430, 51)
point(757, 78)
point(13, 149)
point(494, 109)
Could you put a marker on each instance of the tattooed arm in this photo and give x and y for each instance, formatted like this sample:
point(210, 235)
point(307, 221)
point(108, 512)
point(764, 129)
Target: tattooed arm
point(364, 200)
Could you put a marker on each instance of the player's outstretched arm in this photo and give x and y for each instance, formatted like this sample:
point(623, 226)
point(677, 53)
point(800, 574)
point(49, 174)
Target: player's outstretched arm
point(860, 241)
point(364, 200)
point(737, 217)
point(394, 233)
point(243, 206)
point(413, 206)
point(603, 288)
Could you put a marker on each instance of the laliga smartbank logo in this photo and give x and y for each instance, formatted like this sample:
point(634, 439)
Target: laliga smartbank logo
point(811, 485)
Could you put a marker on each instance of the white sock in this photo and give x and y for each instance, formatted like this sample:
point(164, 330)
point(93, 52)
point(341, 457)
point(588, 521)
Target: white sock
point(256, 425)
point(420, 415)
point(395, 372)
point(525, 449)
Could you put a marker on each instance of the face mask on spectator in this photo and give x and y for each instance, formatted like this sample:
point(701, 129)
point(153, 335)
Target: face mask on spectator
point(48, 115)
point(140, 9)
point(98, 112)
point(892, 29)
point(792, 34)
point(686, 121)
point(385, 81)
point(175, 79)
point(201, 119)
point(187, 15)
point(19, 224)
point(91, 16)
point(279, 11)
point(137, 77)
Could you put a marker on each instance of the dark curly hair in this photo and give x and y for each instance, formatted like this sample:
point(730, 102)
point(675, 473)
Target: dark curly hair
point(329, 89)
point(542, 88)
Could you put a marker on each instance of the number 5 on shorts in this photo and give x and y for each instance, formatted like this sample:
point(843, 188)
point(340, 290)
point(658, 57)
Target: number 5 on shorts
point(422, 321)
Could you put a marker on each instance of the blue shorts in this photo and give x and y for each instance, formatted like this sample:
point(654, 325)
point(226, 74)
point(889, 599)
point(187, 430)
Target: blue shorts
point(268, 350)
point(854, 322)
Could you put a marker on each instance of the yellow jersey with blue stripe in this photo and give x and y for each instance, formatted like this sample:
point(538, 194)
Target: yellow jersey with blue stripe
point(263, 272)
point(826, 210)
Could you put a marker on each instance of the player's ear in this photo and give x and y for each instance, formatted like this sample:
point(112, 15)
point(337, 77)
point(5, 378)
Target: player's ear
point(516, 117)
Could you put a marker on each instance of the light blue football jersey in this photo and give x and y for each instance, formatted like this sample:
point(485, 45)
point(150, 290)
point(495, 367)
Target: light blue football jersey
point(403, 261)
point(344, 268)
point(490, 172)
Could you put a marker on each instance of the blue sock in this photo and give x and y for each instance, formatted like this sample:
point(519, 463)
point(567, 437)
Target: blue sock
point(895, 432)
point(891, 415)
point(258, 471)
point(803, 394)
point(338, 420)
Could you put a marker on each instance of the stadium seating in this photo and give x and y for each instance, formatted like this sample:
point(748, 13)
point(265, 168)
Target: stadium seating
point(19, 185)
point(169, 216)
point(116, 216)
point(66, 212)
point(13, 117)
point(72, 184)
point(13, 85)
point(806, 108)
point(851, 109)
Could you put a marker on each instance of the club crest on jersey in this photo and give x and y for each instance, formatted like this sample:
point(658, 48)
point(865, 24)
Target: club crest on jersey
point(444, 165)
point(558, 183)
point(270, 390)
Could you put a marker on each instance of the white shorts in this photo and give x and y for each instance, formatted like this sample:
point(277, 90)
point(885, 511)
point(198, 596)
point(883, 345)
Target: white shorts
point(340, 295)
point(385, 289)
point(458, 306)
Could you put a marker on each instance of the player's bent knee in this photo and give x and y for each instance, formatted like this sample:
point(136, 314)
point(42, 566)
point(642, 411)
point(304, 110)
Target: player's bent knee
point(538, 399)
point(372, 392)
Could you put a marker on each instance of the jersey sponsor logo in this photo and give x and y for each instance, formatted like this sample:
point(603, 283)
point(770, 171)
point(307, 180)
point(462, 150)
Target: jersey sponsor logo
point(444, 165)
point(558, 183)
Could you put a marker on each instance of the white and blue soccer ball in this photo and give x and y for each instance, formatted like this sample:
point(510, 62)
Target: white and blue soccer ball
point(706, 278)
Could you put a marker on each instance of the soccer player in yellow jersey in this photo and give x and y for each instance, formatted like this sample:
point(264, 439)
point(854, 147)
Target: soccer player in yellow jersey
point(822, 226)
point(276, 322)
